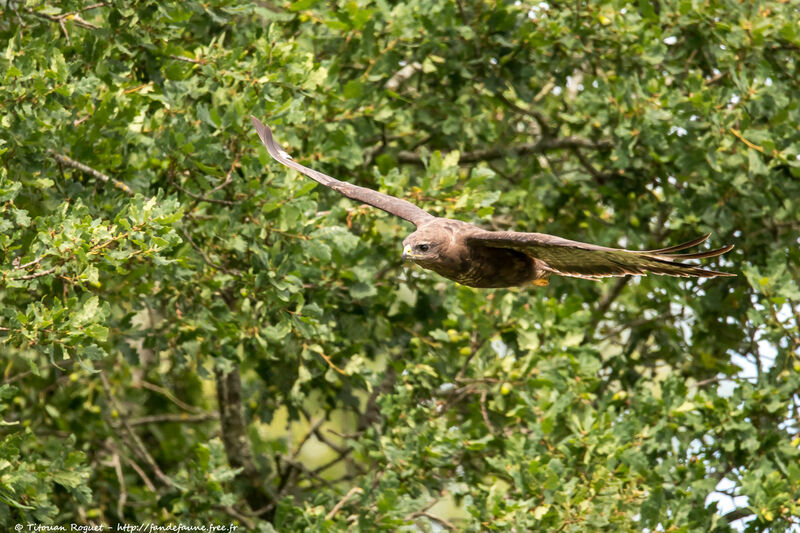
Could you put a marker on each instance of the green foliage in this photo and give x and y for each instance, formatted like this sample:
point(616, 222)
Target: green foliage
point(193, 334)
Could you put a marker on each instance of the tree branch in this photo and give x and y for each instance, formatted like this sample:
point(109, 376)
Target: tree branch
point(109, 445)
point(205, 257)
point(350, 493)
point(441, 521)
point(231, 510)
point(72, 15)
point(540, 119)
point(607, 299)
point(372, 413)
point(321, 436)
point(599, 177)
point(173, 418)
point(602, 306)
point(64, 160)
point(323, 467)
point(402, 75)
point(188, 59)
point(136, 444)
point(123, 491)
point(37, 274)
point(485, 413)
point(488, 154)
point(300, 467)
point(170, 396)
point(236, 442)
point(203, 198)
point(475, 345)
point(228, 179)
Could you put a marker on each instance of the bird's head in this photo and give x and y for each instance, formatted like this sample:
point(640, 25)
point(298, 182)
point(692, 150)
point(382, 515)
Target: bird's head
point(427, 248)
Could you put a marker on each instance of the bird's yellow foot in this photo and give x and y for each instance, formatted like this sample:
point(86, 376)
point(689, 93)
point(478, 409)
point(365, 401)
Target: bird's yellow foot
point(541, 282)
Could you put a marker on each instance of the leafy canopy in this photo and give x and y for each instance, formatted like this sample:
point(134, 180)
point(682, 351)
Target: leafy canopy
point(193, 334)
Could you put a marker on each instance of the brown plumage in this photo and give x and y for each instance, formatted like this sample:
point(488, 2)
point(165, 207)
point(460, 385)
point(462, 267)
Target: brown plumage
point(475, 257)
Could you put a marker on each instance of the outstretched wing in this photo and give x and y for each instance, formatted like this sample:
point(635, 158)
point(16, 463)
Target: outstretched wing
point(582, 260)
point(390, 204)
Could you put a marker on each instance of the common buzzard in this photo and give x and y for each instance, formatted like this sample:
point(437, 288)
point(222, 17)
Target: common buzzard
point(478, 258)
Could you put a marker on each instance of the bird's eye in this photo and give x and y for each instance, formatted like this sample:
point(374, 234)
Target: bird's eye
point(422, 247)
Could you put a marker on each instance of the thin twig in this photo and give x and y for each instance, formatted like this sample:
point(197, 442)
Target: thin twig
point(188, 59)
point(123, 491)
point(302, 468)
point(136, 468)
point(19, 376)
point(166, 392)
point(714, 79)
point(708, 381)
point(64, 160)
point(344, 435)
point(343, 501)
point(488, 154)
point(546, 88)
point(402, 75)
point(314, 428)
point(476, 345)
point(72, 15)
point(236, 440)
point(82, 23)
point(602, 306)
point(37, 274)
point(312, 487)
point(203, 198)
point(444, 523)
point(745, 141)
point(540, 119)
point(566, 523)
point(28, 264)
point(249, 524)
point(173, 418)
point(64, 31)
point(608, 298)
point(228, 180)
point(635, 324)
point(330, 363)
point(323, 467)
point(598, 176)
point(136, 444)
point(92, 6)
point(485, 413)
point(205, 257)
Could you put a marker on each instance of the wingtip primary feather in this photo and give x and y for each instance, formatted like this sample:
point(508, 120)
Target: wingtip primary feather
point(265, 134)
point(395, 206)
point(682, 246)
point(263, 131)
point(673, 259)
point(260, 126)
point(701, 255)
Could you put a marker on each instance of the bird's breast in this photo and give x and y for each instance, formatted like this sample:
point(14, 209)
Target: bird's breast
point(488, 268)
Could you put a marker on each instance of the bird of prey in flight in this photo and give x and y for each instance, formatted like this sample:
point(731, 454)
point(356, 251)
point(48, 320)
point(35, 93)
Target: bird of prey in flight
point(479, 258)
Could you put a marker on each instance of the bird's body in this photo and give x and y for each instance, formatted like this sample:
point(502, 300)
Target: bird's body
point(479, 258)
point(474, 266)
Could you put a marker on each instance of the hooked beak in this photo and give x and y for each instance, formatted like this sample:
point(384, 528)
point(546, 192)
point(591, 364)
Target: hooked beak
point(407, 254)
